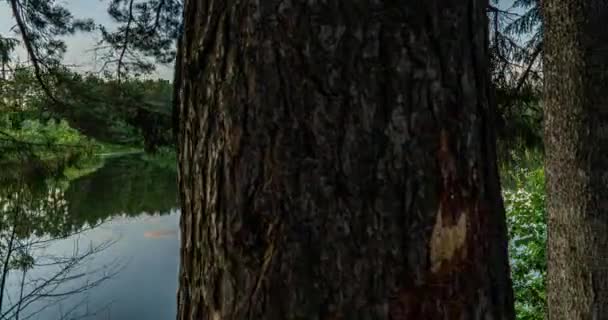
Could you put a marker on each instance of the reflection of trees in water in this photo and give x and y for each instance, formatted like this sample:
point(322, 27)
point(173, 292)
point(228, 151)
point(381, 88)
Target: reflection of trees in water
point(36, 213)
point(124, 185)
point(31, 280)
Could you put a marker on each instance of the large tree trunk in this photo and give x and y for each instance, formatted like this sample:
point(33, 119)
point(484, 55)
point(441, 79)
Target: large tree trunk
point(576, 138)
point(337, 162)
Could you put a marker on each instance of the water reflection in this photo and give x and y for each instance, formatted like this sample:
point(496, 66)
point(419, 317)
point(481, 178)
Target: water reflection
point(102, 246)
point(125, 185)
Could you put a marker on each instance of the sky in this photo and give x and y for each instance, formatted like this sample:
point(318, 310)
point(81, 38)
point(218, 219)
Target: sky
point(80, 45)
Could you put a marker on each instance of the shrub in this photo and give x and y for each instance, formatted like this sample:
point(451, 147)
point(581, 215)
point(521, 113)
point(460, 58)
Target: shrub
point(526, 218)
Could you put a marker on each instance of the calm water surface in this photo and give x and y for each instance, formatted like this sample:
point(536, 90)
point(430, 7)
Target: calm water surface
point(124, 246)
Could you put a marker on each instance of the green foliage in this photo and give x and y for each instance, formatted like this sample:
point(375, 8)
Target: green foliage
point(124, 185)
point(19, 91)
point(51, 140)
point(515, 63)
point(515, 38)
point(50, 132)
point(97, 107)
point(45, 22)
point(22, 261)
point(146, 29)
point(83, 168)
point(165, 158)
point(529, 23)
point(114, 111)
point(131, 112)
point(33, 212)
point(525, 206)
point(29, 134)
point(521, 136)
point(69, 201)
point(7, 46)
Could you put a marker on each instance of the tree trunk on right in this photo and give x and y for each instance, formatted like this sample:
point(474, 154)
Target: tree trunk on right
point(576, 139)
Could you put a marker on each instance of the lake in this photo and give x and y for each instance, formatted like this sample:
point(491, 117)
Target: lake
point(103, 245)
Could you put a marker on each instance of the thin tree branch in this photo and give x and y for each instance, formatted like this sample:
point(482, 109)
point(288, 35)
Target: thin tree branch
point(526, 72)
point(6, 267)
point(161, 4)
point(46, 287)
point(126, 40)
point(30, 50)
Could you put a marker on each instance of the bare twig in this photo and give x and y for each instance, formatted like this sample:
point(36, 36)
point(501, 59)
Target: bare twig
point(6, 266)
point(47, 288)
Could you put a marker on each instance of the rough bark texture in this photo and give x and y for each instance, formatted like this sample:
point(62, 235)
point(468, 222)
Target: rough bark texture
point(576, 138)
point(337, 162)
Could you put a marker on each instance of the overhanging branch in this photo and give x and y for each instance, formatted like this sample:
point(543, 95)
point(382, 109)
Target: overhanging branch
point(15, 6)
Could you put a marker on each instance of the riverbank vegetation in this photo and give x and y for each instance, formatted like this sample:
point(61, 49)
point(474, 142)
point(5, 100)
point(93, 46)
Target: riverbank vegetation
point(101, 117)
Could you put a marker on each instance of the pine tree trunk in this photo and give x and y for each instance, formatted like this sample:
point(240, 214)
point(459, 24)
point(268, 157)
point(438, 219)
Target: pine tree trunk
point(576, 138)
point(337, 162)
